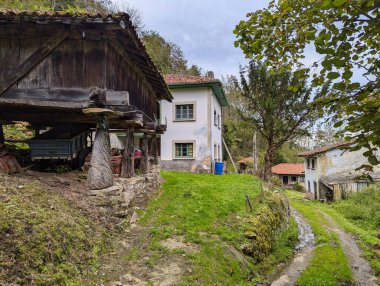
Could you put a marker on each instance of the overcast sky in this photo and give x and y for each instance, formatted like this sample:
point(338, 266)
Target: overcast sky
point(202, 28)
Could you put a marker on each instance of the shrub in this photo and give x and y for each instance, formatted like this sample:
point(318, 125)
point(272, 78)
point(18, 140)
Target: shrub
point(298, 188)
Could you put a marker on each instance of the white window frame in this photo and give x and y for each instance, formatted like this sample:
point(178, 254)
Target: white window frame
point(175, 104)
point(183, 142)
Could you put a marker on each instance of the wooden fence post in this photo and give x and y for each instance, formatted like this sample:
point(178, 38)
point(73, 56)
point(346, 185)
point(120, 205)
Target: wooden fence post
point(128, 160)
point(100, 173)
point(144, 164)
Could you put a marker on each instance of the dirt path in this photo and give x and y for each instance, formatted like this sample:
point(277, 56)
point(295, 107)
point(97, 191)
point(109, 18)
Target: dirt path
point(362, 271)
point(305, 252)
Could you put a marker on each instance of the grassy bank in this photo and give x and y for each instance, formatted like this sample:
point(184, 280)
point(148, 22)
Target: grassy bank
point(329, 266)
point(358, 215)
point(43, 240)
point(210, 212)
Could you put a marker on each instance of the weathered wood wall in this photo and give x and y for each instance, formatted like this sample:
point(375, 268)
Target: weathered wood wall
point(79, 63)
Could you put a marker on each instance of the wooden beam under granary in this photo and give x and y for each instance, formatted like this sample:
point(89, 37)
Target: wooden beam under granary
point(52, 62)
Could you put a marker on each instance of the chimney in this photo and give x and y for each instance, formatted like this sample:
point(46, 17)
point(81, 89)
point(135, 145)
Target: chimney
point(210, 74)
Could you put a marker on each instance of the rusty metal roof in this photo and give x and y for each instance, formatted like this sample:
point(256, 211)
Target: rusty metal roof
point(122, 20)
point(324, 149)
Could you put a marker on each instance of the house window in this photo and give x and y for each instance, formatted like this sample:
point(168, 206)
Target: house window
point(302, 179)
point(308, 163)
point(219, 155)
point(215, 118)
point(184, 150)
point(294, 179)
point(219, 121)
point(315, 187)
point(308, 186)
point(184, 112)
point(313, 164)
point(215, 153)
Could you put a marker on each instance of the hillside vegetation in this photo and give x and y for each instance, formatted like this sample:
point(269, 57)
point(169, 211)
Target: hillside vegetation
point(44, 240)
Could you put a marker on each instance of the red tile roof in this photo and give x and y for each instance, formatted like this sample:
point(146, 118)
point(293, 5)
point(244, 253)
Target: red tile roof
point(187, 79)
point(324, 149)
point(289, 169)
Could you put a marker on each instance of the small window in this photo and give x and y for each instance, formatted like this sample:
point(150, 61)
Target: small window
point(219, 121)
point(215, 153)
point(313, 164)
point(184, 150)
point(308, 186)
point(302, 179)
point(294, 179)
point(308, 163)
point(184, 112)
point(215, 118)
point(315, 187)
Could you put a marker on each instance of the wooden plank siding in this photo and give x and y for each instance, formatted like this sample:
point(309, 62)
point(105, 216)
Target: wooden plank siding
point(78, 64)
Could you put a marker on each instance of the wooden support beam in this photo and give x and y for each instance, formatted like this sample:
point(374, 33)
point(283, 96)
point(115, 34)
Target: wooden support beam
point(2, 139)
point(144, 164)
point(100, 173)
point(34, 59)
point(128, 161)
point(154, 149)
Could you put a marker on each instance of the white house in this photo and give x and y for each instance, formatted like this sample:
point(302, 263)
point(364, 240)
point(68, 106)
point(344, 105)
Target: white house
point(193, 140)
point(330, 172)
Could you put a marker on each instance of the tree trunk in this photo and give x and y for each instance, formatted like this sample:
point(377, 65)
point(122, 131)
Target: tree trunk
point(2, 139)
point(144, 164)
point(268, 163)
point(154, 149)
point(128, 161)
point(100, 173)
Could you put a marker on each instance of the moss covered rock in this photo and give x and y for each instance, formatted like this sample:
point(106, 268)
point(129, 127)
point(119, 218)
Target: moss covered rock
point(264, 225)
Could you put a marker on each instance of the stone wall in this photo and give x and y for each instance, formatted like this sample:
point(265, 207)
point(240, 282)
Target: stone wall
point(128, 194)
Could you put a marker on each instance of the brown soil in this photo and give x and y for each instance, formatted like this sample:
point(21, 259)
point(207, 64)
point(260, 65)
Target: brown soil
point(135, 263)
point(73, 187)
point(304, 252)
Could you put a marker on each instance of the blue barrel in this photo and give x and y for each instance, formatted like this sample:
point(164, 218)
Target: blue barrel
point(219, 168)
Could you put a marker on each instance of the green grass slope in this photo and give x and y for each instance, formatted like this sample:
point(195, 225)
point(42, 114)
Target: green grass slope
point(210, 211)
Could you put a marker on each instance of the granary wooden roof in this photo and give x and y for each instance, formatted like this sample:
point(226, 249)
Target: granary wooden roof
point(112, 22)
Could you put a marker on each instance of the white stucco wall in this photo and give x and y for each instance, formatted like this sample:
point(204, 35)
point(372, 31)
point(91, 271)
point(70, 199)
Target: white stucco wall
point(311, 175)
point(200, 131)
point(336, 162)
point(216, 131)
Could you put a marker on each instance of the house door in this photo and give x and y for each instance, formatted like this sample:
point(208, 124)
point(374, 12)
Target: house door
point(285, 180)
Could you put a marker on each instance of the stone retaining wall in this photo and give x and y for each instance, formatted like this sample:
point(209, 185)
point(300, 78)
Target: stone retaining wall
point(128, 194)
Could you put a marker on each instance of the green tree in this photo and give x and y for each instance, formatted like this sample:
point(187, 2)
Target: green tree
point(278, 113)
point(167, 55)
point(346, 33)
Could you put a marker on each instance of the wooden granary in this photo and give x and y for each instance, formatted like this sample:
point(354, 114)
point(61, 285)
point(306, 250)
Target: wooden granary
point(63, 70)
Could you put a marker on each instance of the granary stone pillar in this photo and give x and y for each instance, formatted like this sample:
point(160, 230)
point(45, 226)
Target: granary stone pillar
point(128, 161)
point(100, 173)
point(144, 165)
